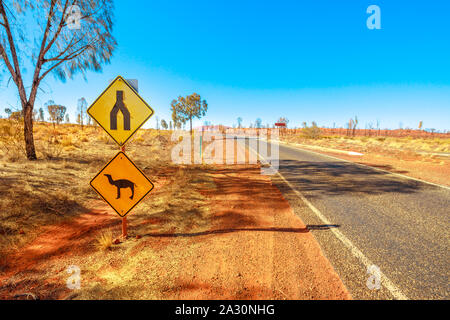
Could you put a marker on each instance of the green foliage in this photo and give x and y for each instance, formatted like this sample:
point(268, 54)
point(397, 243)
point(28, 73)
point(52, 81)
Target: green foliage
point(186, 108)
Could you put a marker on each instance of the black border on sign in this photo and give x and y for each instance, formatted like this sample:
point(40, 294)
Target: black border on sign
point(129, 86)
point(120, 152)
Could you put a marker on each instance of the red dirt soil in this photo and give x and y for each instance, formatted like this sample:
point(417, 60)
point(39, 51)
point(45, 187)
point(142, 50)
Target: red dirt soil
point(255, 248)
point(23, 268)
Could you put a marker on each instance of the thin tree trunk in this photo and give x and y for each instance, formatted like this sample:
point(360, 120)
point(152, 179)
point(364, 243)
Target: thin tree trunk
point(190, 122)
point(28, 131)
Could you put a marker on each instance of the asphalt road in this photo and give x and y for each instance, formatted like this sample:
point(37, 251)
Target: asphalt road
point(397, 224)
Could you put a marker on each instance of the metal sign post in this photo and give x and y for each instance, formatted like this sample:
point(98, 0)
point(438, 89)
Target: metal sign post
point(124, 219)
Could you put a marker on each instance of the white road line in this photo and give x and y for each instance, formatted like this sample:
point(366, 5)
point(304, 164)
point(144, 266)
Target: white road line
point(374, 168)
point(385, 281)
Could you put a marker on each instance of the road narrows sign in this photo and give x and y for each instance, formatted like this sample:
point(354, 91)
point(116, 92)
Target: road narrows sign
point(121, 184)
point(120, 110)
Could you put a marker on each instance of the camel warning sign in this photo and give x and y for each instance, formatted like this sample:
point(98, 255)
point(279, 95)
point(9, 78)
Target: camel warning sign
point(121, 184)
point(120, 111)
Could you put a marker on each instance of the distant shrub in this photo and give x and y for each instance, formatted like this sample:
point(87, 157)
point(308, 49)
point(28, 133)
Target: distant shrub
point(312, 132)
point(51, 148)
point(364, 139)
point(67, 141)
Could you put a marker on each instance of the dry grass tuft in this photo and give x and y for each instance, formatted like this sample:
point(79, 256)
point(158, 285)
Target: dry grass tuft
point(55, 189)
point(401, 146)
point(11, 139)
point(56, 186)
point(105, 241)
point(50, 147)
point(312, 132)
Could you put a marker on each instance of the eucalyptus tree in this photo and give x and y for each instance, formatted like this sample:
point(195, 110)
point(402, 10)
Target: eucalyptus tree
point(239, 121)
point(186, 108)
point(81, 107)
point(164, 124)
point(56, 112)
point(258, 123)
point(62, 37)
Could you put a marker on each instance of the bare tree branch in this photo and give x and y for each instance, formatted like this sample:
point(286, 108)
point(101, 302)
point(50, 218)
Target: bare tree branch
point(39, 61)
point(67, 58)
point(60, 26)
point(70, 50)
point(7, 62)
point(69, 46)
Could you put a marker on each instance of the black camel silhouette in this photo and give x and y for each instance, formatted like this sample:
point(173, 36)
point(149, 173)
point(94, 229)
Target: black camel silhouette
point(121, 184)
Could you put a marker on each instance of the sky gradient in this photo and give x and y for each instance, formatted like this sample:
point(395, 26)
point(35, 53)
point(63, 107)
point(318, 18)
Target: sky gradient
point(311, 60)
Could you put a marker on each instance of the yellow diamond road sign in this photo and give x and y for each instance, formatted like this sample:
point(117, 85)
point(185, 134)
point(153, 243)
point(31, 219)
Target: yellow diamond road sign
point(120, 111)
point(121, 184)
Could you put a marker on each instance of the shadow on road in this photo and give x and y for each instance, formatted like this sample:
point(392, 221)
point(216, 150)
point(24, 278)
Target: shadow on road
point(340, 178)
point(322, 226)
point(203, 233)
point(384, 167)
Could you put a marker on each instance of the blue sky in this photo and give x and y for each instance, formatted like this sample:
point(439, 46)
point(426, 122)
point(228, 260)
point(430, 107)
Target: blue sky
point(311, 60)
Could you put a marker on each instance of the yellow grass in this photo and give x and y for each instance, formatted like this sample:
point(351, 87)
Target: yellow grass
point(56, 186)
point(387, 145)
point(105, 241)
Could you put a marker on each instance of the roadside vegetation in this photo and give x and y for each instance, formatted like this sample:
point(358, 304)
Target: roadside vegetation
point(425, 149)
point(55, 188)
point(416, 153)
point(55, 50)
